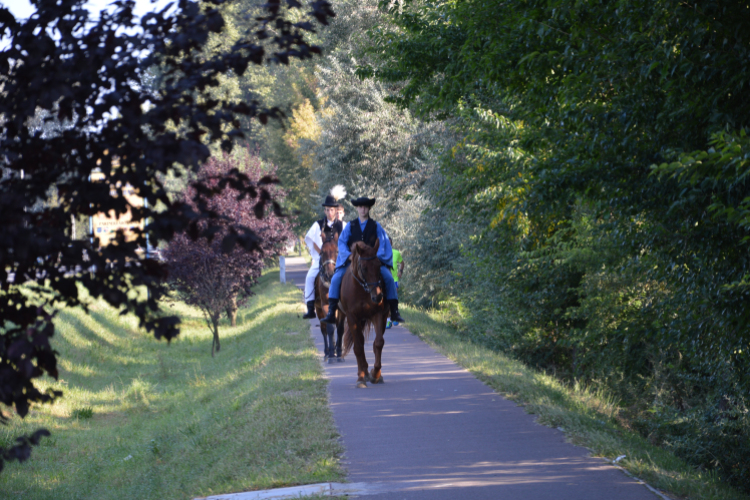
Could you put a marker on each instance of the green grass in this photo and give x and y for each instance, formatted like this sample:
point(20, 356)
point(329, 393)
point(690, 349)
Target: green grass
point(588, 418)
point(142, 419)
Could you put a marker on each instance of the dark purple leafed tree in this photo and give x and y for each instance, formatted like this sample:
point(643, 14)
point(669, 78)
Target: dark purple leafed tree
point(91, 83)
point(208, 276)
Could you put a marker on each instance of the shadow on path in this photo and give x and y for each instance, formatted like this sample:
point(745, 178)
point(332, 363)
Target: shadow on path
point(433, 431)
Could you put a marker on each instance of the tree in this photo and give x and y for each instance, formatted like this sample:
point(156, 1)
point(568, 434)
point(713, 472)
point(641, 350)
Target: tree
point(208, 276)
point(372, 146)
point(93, 75)
point(615, 274)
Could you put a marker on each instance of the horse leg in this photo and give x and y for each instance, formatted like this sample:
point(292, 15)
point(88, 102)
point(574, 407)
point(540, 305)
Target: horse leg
point(359, 352)
point(331, 348)
point(377, 348)
point(323, 330)
point(339, 336)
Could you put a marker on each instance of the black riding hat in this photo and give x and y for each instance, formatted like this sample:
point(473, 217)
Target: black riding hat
point(363, 201)
point(330, 202)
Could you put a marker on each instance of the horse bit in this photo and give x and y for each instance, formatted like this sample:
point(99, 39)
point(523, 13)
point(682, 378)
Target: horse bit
point(362, 282)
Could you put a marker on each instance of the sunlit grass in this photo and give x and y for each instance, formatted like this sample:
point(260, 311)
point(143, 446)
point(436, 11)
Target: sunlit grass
point(588, 417)
point(148, 420)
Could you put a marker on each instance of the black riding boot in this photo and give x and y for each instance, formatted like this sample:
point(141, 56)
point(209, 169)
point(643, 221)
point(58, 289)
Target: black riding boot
point(310, 314)
point(333, 304)
point(395, 316)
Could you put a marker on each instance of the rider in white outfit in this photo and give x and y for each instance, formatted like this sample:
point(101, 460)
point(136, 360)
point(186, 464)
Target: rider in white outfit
point(314, 238)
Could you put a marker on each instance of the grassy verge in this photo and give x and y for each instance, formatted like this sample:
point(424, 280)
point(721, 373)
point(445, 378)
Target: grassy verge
point(147, 420)
point(588, 418)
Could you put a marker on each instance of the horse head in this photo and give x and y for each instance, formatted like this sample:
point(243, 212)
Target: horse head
point(328, 253)
point(366, 268)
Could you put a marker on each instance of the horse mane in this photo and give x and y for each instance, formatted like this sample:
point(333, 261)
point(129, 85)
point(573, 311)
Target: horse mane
point(330, 240)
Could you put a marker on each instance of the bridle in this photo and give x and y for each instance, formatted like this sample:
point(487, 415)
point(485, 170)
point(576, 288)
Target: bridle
point(322, 265)
point(321, 269)
point(362, 282)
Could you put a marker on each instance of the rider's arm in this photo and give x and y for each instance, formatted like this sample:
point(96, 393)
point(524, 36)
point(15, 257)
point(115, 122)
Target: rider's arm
point(312, 235)
point(385, 252)
point(344, 251)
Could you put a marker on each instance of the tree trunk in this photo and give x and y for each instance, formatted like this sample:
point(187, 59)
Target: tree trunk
point(232, 311)
point(215, 345)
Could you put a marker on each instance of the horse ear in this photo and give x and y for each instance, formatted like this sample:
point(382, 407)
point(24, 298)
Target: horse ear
point(377, 244)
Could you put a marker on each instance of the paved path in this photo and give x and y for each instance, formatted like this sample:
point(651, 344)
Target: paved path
point(433, 431)
point(296, 270)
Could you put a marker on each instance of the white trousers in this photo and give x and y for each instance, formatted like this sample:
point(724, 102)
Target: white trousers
point(310, 282)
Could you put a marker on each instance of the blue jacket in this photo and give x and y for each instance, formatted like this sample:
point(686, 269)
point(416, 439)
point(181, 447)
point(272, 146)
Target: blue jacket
point(385, 252)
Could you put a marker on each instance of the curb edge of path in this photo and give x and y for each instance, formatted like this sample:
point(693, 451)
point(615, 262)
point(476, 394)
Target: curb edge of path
point(324, 489)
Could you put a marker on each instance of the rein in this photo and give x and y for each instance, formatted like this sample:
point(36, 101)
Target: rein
point(365, 285)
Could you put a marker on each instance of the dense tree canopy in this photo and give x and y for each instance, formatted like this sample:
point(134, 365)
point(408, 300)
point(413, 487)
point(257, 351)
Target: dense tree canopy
point(602, 163)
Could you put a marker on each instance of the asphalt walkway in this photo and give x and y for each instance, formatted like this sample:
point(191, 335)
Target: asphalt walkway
point(296, 270)
point(433, 431)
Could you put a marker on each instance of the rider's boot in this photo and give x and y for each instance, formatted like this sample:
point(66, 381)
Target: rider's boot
point(395, 316)
point(310, 314)
point(333, 304)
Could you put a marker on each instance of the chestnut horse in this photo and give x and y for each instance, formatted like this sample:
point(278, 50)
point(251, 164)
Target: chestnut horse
point(363, 303)
point(328, 254)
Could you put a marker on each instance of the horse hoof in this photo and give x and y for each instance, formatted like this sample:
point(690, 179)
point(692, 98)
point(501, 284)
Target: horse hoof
point(378, 381)
point(330, 361)
point(361, 385)
point(339, 360)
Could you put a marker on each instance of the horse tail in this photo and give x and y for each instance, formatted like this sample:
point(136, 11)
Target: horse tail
point(348, 339)
point(349, 336)
point(367, 330)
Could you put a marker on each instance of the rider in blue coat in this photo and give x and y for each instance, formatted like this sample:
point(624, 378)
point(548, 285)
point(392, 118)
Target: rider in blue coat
point(366, 230)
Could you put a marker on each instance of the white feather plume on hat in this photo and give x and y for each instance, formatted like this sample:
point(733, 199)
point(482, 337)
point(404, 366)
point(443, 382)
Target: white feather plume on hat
point(338, 191)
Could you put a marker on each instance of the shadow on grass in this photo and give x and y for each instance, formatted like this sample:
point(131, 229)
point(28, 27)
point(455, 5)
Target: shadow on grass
point(86, 332)
point(169, 421)
point(137, 373)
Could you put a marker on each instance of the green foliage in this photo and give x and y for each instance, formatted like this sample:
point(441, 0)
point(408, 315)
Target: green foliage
point(357, 138)
point(599, 179)
point(137, 101)
point(721, 171)
point(83, 413)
